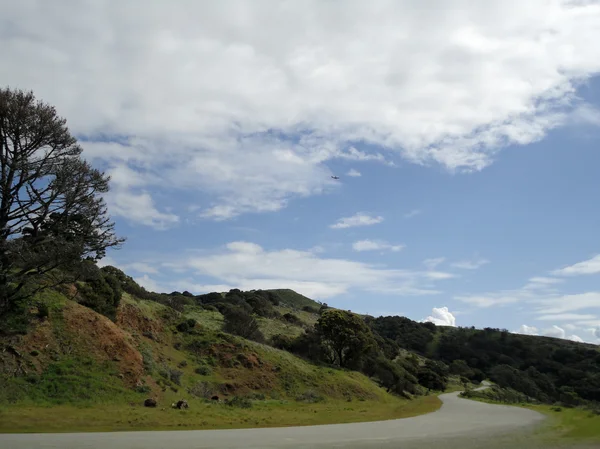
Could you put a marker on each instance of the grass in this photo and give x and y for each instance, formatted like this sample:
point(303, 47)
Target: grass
point(201, 415)
point(569, 425)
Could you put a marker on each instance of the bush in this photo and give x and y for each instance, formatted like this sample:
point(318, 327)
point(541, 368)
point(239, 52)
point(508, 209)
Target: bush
point(143, 389)
point(183, 327)
point(310, 309)
point(292, 319)
point(175, 376)
point(201, 390)
point(239, 322)
point(182, 364)
point(203, 370)
point(42, 310)
point(241, 402)
point(310, 396)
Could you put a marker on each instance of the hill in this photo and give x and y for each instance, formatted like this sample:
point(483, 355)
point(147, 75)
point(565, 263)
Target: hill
point(94, 351)
point(96, 372)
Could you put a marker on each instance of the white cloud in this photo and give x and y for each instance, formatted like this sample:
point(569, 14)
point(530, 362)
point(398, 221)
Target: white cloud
point(413, 213)
point(139, 208)
point(434, 262)
point(375, 245)
point(554, 331)
point(566, 317)
point(568, 303)
point(527, 330)
point(586, 114)
point(354, 173)
point(441, 317)
point(149, 284)
point(470, 264)
point(450, 84)
point(358, 219)
point(545, 280)
point(141, 267)
point(590, 266)
point(247, 265)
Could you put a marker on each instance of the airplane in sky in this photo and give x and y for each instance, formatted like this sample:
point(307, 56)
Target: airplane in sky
point(335, 177)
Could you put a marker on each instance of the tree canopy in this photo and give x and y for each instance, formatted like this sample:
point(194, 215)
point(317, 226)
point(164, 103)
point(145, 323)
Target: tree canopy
point(52, 211)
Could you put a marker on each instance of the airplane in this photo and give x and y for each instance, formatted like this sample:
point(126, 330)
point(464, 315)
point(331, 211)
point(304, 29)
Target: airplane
point(335, 177)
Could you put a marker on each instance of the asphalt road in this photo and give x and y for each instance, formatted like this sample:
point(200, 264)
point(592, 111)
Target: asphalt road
point(458, 423)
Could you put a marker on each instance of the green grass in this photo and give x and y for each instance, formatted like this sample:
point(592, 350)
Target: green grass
point(76, 381)
point(569, 425)
point(208, 319)
point(201, 415)
point(270, 327)
point(295, 300)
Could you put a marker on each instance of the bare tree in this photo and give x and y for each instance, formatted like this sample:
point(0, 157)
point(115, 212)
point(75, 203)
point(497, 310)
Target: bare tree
point(52, 214)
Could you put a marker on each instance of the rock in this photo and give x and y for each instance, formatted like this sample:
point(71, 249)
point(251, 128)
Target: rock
point(215, 398)
point(150, 402)
point(180, 404)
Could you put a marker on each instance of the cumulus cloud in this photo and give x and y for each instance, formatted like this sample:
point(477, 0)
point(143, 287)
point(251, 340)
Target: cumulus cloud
point(354, 173)
point(358, 219)
point(248, 265)
point(149, 284)
point(139, 208)
point(441, 317)
point(246, 103)
point(554, 331)
point(590, 266)
point(527, 330)
point(470, 264)
point(375, 245)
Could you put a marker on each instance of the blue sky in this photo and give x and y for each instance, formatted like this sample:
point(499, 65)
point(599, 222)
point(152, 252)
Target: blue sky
point(466, 146)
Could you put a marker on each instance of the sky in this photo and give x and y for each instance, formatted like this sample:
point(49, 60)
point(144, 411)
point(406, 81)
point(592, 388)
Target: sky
point(466, 137)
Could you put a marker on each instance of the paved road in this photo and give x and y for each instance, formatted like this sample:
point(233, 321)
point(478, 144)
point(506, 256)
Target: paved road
point(457, 418)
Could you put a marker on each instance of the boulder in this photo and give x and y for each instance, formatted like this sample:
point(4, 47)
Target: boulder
point(150, 402)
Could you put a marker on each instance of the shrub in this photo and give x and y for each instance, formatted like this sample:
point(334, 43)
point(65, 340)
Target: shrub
point(35, 353)
point(175, 376)
point(241, 402)
point(292, 319)
point(201, 390)
point(182, 364)
point(310, 309)
point(239, 322)
point(310, 396)
point(203, 370)
point(183, 327)
point(143, 389)
point(42, 310)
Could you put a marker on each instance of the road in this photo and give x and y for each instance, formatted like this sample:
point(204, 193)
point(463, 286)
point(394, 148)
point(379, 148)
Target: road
point(466, 423)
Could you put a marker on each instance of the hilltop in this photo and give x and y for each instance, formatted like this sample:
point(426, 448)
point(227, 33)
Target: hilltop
point(95, 350)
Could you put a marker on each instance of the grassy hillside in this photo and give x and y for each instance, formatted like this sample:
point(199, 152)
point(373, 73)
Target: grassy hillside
point(95, 374)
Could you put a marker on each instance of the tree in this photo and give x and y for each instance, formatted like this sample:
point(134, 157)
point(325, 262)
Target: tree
point(345, 335)
point(240, 322)
point(52, 213)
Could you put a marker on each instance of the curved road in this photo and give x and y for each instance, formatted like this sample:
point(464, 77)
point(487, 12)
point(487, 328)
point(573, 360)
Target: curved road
point(468, 420)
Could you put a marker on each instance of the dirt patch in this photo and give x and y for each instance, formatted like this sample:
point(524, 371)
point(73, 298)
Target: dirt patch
point(131, 318)
point(104, 340)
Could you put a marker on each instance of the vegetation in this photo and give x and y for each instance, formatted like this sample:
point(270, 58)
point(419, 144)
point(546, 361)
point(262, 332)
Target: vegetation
point(52, 214)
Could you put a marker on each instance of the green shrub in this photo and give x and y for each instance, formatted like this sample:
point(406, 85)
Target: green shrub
point(175, 376)
point(310, 396)
point(203, 370)
point(142, 389)
point(239, 401)
point(183, 327)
